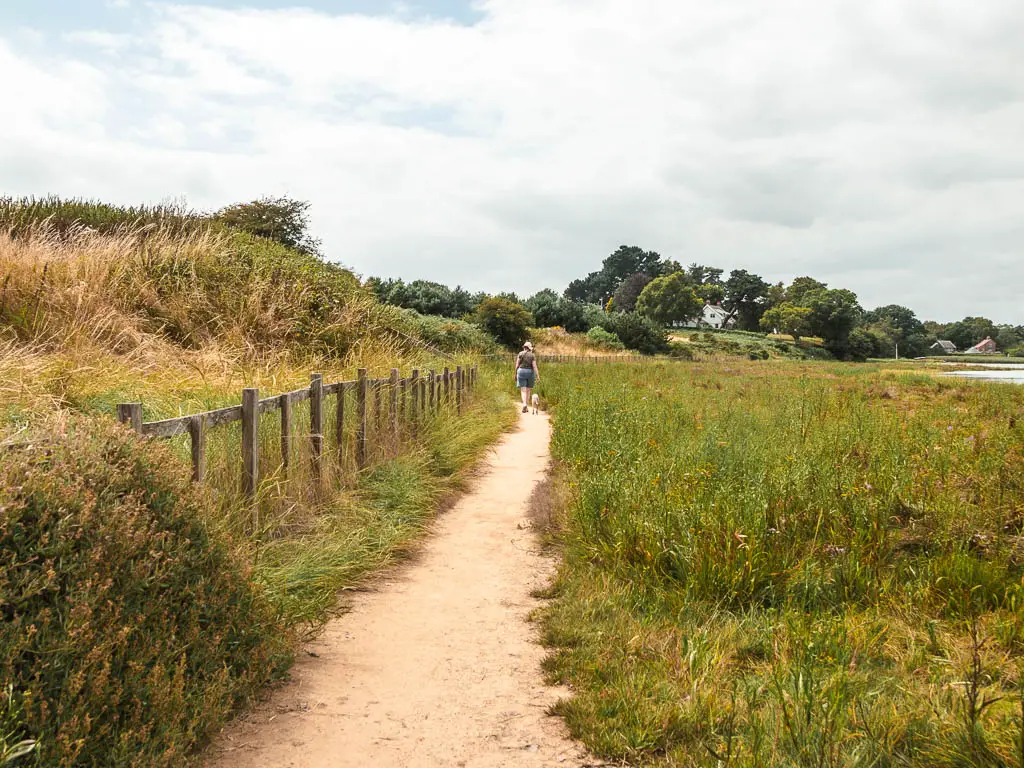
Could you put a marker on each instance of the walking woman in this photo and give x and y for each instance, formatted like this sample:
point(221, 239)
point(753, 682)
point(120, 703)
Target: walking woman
point(527, 374)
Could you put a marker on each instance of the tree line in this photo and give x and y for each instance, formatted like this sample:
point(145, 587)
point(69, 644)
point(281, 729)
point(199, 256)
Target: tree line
point(637, 293)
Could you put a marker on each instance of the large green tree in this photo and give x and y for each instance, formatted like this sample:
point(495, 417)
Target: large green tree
point(787, 318)
point(699, 274)
point(797, 291)
point(1008, 338)
point(628, 260)
point(896, 328)
point(624, 299)
point(746, 296)
point(549, 309)
point(969, 331)
point(834, 314)
point(276, 218)
point(598, 287)
point(670, 299)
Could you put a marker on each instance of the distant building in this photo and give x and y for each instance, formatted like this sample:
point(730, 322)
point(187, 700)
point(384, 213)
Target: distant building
point(944, 347)
point(712, 316)
point(986, 347)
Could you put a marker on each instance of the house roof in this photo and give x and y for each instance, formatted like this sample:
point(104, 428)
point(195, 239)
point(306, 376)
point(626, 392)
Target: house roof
point(946, 344)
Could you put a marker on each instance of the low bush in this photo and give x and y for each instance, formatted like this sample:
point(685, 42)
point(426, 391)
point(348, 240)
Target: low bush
point(681, 350)
point(129, 630)
point(599, 335)
point(634, 331)
point(505, 320)
point(449, 335)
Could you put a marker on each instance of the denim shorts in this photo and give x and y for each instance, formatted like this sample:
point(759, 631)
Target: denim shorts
point(524, 378)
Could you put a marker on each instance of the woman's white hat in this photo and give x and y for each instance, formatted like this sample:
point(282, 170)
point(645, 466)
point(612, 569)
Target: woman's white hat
point(528, 345)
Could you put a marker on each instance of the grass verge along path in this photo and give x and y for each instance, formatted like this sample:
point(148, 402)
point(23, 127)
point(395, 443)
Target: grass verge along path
point(789, 565)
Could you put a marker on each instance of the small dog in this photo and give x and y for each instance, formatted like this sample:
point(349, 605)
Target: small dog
point(536, 403)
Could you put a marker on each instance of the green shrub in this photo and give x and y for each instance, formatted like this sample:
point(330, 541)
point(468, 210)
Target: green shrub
point(599, 335)
point(505, 320)
point(449, 335)
point(635, 331)
point(681, 350)
point(129, 630)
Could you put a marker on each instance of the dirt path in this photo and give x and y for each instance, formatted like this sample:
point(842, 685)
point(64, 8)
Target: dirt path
point(437, 666)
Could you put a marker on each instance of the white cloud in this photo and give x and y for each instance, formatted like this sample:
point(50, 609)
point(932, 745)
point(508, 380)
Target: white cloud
point(875, 146)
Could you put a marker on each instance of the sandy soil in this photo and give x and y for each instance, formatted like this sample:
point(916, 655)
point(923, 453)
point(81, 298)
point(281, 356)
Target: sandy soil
point(437, 666)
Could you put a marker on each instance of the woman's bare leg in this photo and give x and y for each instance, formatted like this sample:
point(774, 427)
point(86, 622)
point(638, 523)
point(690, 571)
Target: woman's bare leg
point(525, 392)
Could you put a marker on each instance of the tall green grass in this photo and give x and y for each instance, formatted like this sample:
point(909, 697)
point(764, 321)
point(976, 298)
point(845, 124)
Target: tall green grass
point(787, 564)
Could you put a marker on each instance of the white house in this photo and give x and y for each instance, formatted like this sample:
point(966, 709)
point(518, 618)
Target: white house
point(713, 316)
point(944, 347)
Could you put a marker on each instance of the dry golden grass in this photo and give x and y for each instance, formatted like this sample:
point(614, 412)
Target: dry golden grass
point(555, 341)
point(176, 320)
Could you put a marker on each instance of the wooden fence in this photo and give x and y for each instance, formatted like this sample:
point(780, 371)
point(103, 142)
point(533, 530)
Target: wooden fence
point(407, 399)
point(625, 358)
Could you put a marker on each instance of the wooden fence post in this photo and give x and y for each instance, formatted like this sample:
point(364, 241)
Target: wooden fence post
point(414, 413)
point(197, 431)
point(378, 406)
point(447, 384)
point(393, 405)
point(458, 390)
point(316, 424)
point(286, 431)
point(361, 395)
point(404, 409)
point(339, 426)
point(250, 444)
point(131, 414)
point(433, 389)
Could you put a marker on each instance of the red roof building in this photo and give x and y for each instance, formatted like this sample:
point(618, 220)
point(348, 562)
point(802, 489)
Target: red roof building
point(986, 347)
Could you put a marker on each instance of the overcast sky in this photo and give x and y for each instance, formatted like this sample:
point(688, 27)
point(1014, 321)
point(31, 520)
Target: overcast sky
point(877, 145)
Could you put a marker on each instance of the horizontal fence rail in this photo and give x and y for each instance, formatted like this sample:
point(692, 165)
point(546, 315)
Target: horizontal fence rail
point(511, 358)
point(407, 400)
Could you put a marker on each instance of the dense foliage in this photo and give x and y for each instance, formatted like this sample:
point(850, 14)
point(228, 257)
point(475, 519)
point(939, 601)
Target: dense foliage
point(505, 320)
point(635, 331)
point(426, 297)
point(129, 630)
point(669, 300)
point(449, 335)
point(816, 567)
point(281, 219)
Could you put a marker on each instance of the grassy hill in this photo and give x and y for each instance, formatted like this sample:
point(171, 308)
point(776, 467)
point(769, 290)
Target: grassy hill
point(706, 344)
point(691, 344)
point(101, 305)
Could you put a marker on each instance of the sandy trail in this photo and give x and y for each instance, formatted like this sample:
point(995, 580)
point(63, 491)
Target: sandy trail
point(437, 666)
